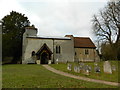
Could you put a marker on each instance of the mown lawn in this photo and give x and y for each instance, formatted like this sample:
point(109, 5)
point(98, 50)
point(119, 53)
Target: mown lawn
point(101, 76)
point(36, 76)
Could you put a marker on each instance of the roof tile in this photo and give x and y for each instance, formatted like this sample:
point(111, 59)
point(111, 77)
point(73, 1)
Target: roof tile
point(83, 42)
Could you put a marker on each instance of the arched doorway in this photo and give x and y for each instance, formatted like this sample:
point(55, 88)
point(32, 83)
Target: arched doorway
point(44, 58)
point(44, 54)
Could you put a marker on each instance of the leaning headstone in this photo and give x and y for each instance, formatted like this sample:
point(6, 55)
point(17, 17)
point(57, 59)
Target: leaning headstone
point(69, 67)
point(113, 68)
point(107, 67)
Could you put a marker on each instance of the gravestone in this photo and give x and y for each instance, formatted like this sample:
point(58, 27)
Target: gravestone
point(86, 70)
point(69, 67)
point(89, 68)
point(78, 69)
point(97, 69)
point(107, 67)
point(75, 69)
point(49, 61)
point(38, 61)
point(95, 64)
point(57, 60)
point(113, 68)
point(81, 64)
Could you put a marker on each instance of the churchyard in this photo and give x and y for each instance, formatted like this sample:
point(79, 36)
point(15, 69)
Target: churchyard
point(36, 76)
point(107, 71)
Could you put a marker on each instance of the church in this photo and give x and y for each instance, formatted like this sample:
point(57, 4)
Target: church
point(48, 50)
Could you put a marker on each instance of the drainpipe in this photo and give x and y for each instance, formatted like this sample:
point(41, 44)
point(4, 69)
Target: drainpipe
point(53, 51)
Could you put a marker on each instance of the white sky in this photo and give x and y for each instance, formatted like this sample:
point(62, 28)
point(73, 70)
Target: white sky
point(57, 17)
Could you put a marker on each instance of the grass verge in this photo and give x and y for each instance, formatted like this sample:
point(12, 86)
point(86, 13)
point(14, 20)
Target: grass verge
point(36, 76)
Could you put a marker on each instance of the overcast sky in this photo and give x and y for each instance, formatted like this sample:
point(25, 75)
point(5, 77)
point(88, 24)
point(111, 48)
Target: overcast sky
point(57, 17)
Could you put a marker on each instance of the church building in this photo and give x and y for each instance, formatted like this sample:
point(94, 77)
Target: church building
point(47, 50)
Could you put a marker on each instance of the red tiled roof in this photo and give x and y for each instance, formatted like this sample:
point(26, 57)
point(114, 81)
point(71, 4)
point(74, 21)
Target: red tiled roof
point(83, 42)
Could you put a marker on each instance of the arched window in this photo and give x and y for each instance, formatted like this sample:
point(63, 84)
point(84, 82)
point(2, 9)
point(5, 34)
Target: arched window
point(75, 53)
point(33, 53)
point(58, 49)
point(86, 51)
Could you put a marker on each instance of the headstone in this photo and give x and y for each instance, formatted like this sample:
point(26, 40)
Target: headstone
point(97, 69)
point(113, 68)
point(81, 64)
point(78, 69)
point(38, 61)
point(95, 64)
point(49, 61)
point(69, 67)
point(57, 60)
point(107, 67)
point(86, 70)
point(89, 68)
point(75, 69)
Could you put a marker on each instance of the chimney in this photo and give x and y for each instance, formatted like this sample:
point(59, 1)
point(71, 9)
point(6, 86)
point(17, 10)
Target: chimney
point(68, 35)
point(31, 31)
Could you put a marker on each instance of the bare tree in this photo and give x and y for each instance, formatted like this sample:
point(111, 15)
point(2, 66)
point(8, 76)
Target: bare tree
point(106, 25)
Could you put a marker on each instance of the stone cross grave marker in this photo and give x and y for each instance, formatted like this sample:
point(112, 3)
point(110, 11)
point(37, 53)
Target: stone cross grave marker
point(107, 67)
point(69, 67)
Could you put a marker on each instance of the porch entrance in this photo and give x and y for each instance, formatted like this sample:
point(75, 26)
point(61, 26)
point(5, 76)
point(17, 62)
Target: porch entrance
point(44, 54)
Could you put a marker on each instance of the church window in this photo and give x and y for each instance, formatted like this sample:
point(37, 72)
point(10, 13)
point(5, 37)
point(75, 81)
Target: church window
point(33, 53)
point(86, 51)
point(58, 49)
point(75, 53)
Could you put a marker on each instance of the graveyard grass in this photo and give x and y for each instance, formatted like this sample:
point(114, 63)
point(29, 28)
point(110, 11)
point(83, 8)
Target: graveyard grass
point(36, 76)
point(101, 76)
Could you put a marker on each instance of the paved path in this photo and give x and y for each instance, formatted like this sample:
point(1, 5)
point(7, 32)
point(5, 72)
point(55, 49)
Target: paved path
point(79, 77)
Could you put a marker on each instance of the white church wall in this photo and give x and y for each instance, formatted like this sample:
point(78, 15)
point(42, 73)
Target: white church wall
point(67, 51)
point(35, 45)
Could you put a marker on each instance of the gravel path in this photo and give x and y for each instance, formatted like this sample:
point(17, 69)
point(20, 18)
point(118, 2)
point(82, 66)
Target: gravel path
point(79, 77)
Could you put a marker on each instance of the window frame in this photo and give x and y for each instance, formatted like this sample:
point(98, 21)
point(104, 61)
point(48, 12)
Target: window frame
point(86, 51)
